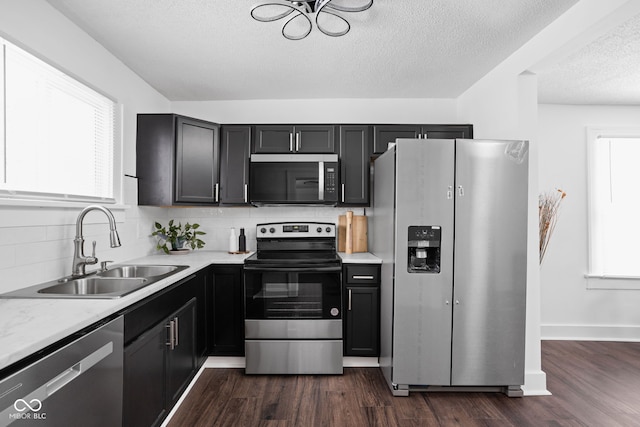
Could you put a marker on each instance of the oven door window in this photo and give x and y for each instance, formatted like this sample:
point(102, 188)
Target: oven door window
point(285, 182)
point(292, 295)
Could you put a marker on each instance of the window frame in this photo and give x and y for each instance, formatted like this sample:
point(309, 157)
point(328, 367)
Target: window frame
point(596, 279)
point(30, 198)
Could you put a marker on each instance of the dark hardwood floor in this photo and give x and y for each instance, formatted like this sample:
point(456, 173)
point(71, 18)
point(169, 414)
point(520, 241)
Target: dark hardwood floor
point(593, 384)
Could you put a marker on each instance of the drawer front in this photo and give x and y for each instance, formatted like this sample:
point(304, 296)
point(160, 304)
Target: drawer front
point(363, 274)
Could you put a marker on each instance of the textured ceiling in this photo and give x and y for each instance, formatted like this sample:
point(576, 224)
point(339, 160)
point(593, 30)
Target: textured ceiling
point(214, 50)
point(604, 72)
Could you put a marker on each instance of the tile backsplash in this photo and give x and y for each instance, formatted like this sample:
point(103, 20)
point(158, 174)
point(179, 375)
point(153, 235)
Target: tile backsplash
point(36, 244)
point(217, 222)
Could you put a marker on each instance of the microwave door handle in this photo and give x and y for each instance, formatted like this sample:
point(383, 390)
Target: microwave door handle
point(320, 181)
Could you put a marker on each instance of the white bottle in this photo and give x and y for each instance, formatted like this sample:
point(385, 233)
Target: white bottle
point(233, 240)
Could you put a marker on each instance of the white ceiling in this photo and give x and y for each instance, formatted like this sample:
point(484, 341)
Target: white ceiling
point(192, 50)
point(604, 72)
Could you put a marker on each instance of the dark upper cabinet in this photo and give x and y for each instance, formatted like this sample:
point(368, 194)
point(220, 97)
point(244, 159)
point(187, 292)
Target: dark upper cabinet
point(362, 310)
point(294, 139)
point(447, 131)
point(227, 313)
point(384, 134)
point(355, 149)
point(235, 149)
point(177, 160)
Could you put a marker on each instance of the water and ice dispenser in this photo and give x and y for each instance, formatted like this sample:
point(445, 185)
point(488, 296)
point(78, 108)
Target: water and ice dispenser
point(424, 248)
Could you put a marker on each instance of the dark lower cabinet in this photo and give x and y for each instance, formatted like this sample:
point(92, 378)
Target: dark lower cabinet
point(162, 350)
point(362, 310)
point(181, 351)
point(144, 380)
point(158, 366)
point(226, 336)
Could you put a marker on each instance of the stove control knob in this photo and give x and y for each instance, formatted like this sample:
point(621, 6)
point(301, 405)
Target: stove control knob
point(319, 229)
point(272, 230)
point(263, 230)
point(328, 229)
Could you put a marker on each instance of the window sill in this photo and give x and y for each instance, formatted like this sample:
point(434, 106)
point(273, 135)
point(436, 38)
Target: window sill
point(612, 282)
point(54, 204)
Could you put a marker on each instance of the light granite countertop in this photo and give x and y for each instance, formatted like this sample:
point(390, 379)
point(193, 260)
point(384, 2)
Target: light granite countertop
point(359, 258)
point(31, 324)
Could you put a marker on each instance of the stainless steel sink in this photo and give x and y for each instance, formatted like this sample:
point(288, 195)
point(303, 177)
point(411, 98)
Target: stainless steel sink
point(113, 283)
point(139, 271)
point(96, 286)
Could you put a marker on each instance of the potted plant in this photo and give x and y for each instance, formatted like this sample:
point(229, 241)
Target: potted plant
point(177, 236)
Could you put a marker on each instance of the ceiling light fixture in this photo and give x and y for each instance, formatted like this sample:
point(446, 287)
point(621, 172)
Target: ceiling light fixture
point(300, 14)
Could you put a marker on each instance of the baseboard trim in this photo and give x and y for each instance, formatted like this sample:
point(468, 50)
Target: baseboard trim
point(535, 384)
point(239, 362)
point(590, 332)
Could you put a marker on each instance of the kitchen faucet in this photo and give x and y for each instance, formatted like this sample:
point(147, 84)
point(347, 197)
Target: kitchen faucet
point(79, 259)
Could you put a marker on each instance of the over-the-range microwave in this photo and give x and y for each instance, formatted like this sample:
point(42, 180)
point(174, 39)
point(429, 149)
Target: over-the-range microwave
point(302, 179)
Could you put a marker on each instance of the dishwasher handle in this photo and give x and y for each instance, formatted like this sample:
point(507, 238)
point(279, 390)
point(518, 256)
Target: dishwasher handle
point(78, 369)
point(33, 400)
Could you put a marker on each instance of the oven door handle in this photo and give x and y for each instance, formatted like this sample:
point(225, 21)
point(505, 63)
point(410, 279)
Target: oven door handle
point(267, 269)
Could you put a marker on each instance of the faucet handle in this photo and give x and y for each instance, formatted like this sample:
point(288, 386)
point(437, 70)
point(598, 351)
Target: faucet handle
point(93, 250)
point(103, 265)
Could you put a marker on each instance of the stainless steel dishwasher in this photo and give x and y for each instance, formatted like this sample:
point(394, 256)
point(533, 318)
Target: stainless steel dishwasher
point(79, 383)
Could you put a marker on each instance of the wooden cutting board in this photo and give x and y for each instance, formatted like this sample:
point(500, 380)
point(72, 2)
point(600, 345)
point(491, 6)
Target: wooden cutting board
point(359, 233)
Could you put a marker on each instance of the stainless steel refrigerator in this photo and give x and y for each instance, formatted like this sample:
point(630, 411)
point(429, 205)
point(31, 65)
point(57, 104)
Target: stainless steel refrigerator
point(449, 221)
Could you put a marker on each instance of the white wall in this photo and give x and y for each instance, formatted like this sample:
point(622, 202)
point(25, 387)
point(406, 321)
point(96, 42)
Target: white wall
point(569, 309)
point(36, 241)
point(323, 111)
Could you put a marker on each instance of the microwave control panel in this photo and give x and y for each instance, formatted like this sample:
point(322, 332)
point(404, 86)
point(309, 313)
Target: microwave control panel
point(330, 182)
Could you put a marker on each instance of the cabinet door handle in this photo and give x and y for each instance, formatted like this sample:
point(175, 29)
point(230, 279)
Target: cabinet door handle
point(449, 192)
point(362, 277)
point(349, 305)
point(176, 330)
point(290, 141)
point(297, 141)
point(342, 193)
point(171, 327)
point(246, 192)
point(216, 192)
point(460, 190)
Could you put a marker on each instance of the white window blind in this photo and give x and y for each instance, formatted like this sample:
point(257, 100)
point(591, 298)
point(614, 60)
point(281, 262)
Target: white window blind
point(614, 204)
point(58, 133)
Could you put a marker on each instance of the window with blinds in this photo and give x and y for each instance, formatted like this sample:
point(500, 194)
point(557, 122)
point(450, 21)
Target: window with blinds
point(614, 202)
point(57, 133)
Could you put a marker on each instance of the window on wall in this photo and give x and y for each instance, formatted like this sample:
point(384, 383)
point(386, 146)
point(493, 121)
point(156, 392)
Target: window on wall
point(57, 134)
point(614, 203)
